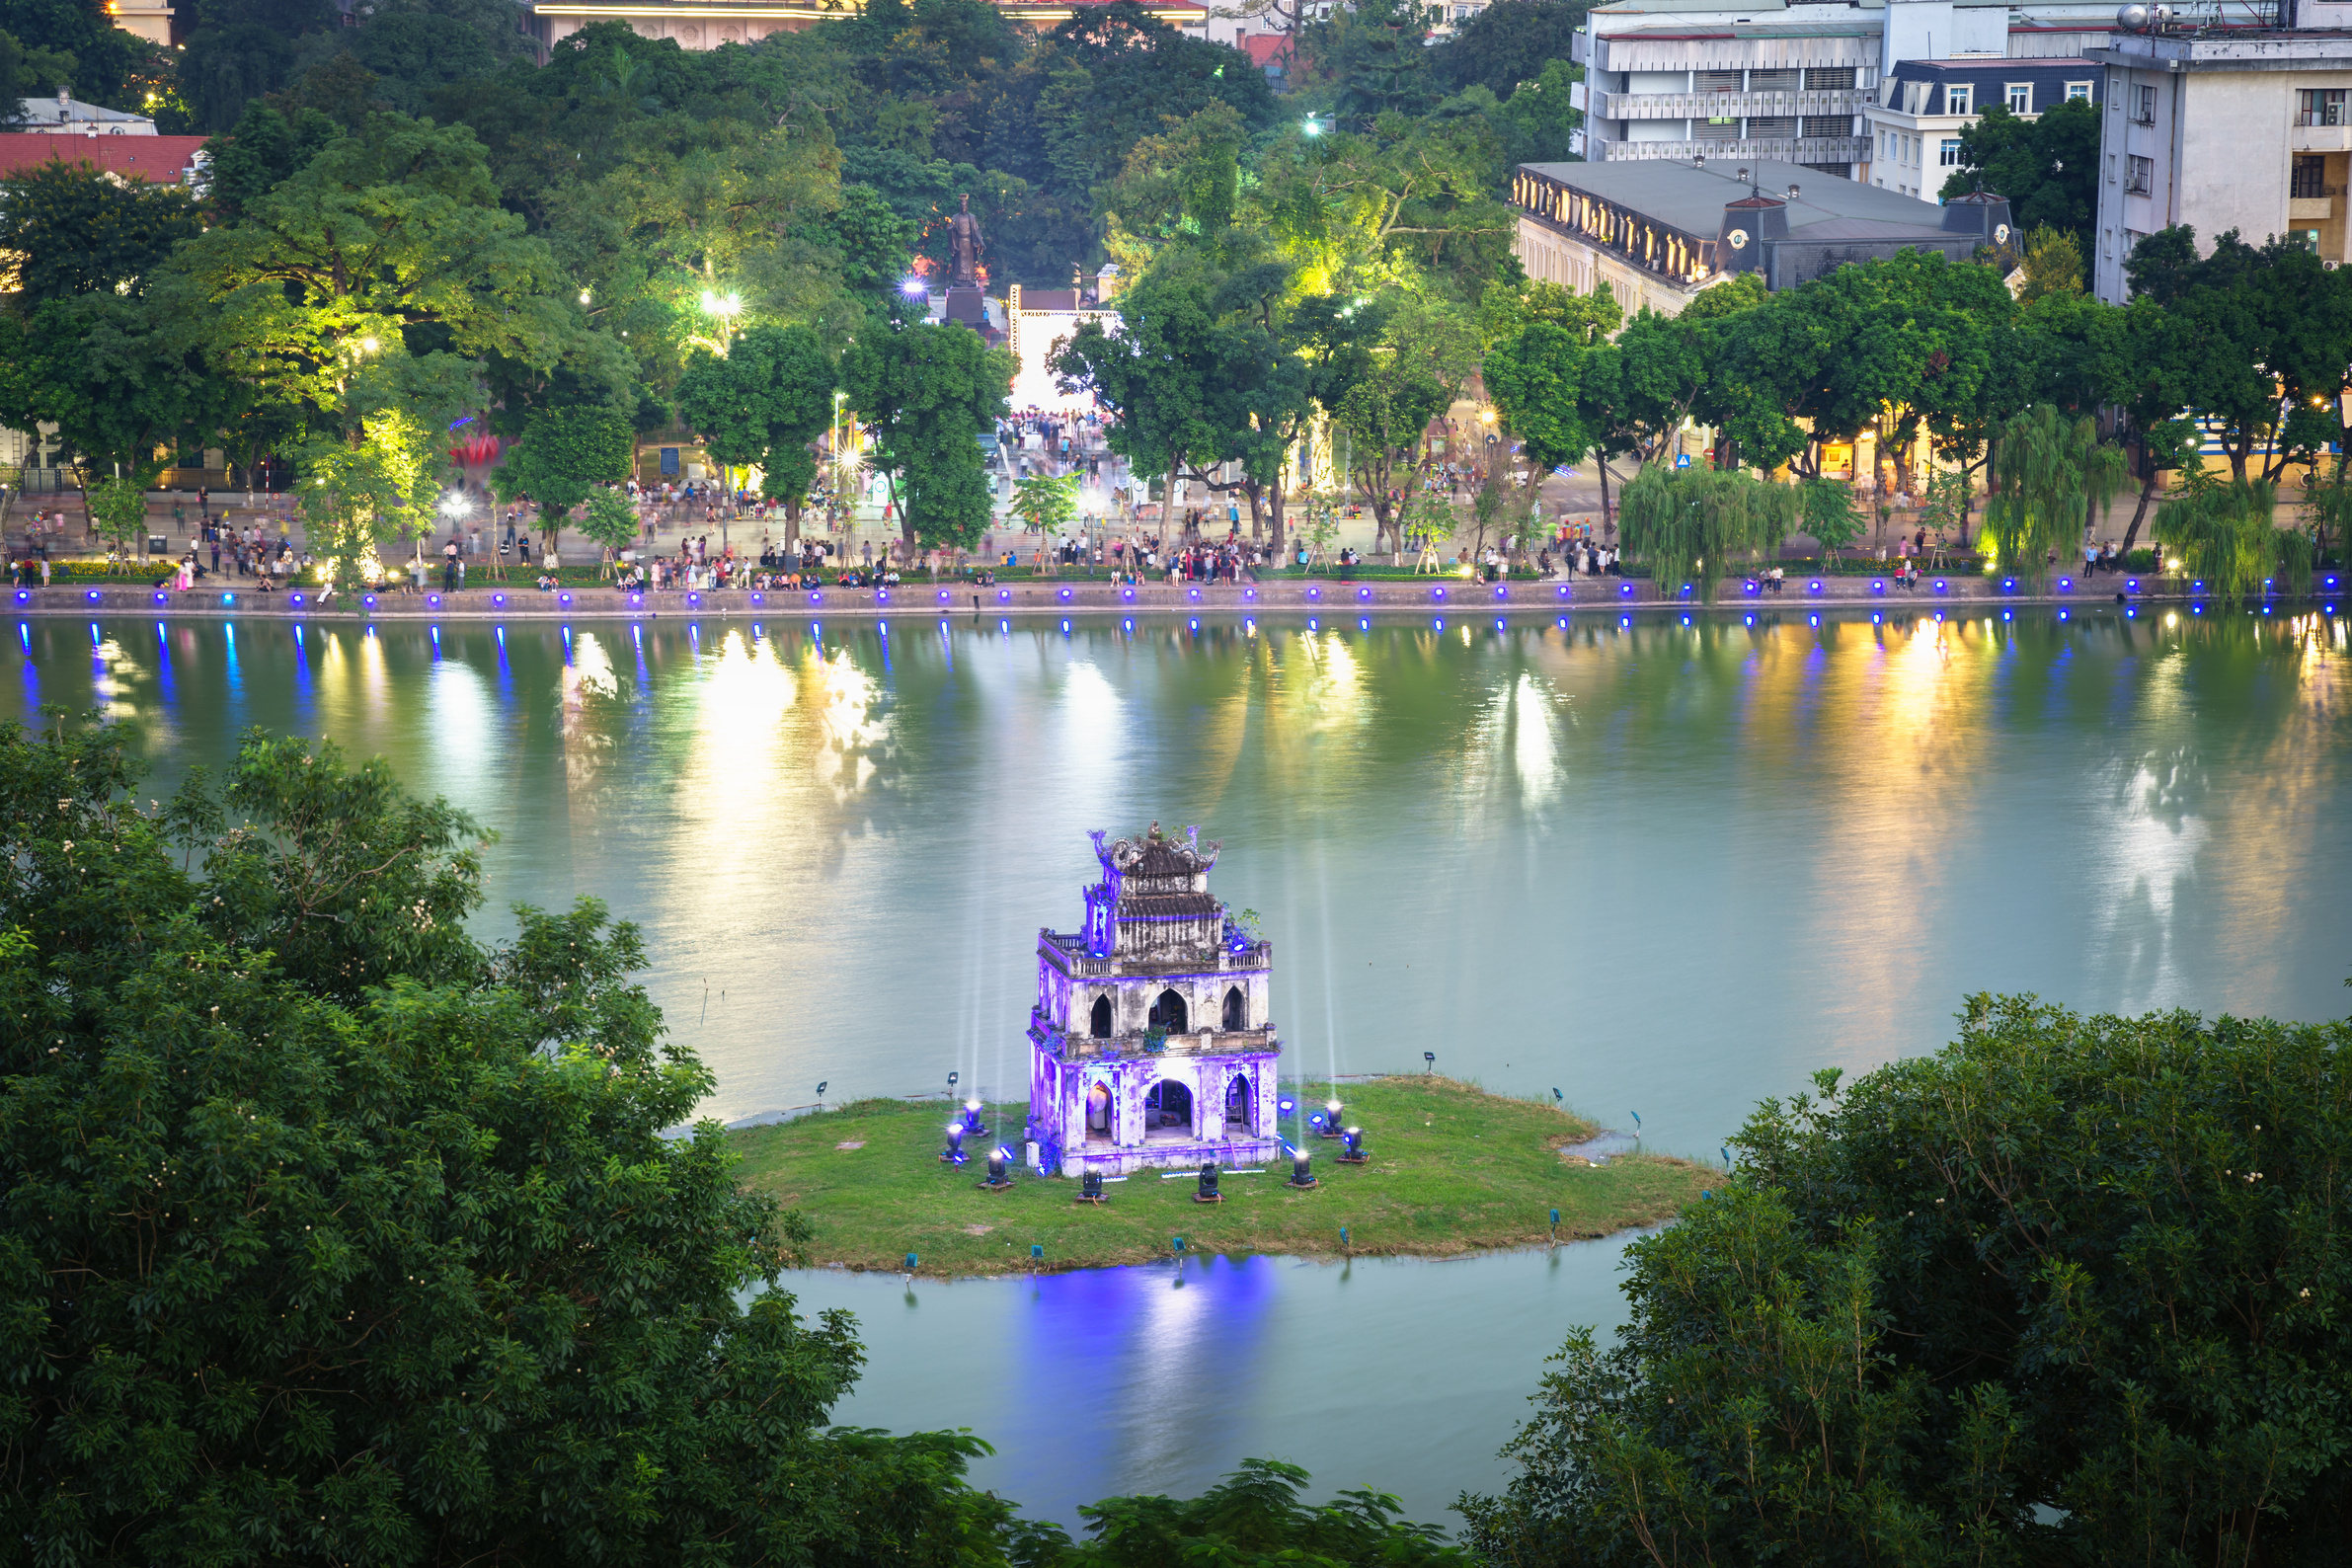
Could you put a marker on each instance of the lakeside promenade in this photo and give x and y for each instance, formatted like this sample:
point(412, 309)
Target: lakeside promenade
point(1029, 598)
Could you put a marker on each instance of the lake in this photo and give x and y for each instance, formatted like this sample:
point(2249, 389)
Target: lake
point(1666, 869)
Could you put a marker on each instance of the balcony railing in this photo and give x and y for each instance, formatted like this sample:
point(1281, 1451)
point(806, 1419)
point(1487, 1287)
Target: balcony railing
point(1804, 149)
point(1720, 106)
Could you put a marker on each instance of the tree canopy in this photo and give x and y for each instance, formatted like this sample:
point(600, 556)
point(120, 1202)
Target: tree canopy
point(2060, 1292)
point(335, 1233)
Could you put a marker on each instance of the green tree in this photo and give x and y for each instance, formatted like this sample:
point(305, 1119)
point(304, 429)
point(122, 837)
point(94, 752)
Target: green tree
point(2048, 475)
point(112, 373)
point(2225, 534)
point(610, 522)
point(1508, 44)
point(564, 454)
point(102, 62)
point(925, 394)
point(2053, 264)
point(1048, 503)
point(2052, 1295)
point(27, 73)
point(764, 404)
point(266, 148)
point(119, 515)
point(1689, 524)
point(2048, 167)
point(71, 228)
point(1427, 349)
point(385, 1255)
point(1378, 53)
point(389, 240)
point(1254, 1515)
point(1830, 510)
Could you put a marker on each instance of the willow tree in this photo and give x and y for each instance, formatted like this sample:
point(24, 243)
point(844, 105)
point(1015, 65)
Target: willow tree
point(2225, 535)
point(2050, 473)
point(1687, 523)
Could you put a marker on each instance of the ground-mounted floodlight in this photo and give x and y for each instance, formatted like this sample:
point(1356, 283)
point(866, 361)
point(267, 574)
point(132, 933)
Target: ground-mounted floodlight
point(1352, 1149)
point(1300, 1175)
point(954, 1153)
point(972, 1119)
point(1429, 1060)
point(1090, 1188)
point(997, 1181)
point(1209, 1193)
point(1329, 1124)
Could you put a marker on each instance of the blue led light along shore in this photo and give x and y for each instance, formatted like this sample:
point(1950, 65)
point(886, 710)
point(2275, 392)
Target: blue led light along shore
point(1042, 596)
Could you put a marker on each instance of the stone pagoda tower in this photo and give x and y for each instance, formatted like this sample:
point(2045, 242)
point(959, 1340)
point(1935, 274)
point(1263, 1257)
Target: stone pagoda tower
point(1150, 1042)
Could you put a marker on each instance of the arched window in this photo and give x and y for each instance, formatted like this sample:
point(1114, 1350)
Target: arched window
point(1236, 1009)
point(1101, 1021)
point(1168, 1012)
point(1238, 1106)
point(1168, 1110)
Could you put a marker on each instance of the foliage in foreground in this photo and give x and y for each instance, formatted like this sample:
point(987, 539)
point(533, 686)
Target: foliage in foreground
point(334, 1235)
point(2066, 1292)
point(1253, 1517)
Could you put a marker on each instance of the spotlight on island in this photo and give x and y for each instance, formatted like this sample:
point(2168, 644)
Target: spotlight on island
point(1428, 1062)
point(1301, 1176)
point(954, 1153)
point(913, 288)
point(1285, 1105)
point(1353, 1151)
point(972, 1119)
point(1209, 1193)
point(997, 1180)
point(1315, 1120)
point(1090, 1188)
point(1330, 1120)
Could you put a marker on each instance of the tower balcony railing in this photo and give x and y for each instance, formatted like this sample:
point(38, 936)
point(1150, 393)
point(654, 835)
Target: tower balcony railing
point(1070, 1046)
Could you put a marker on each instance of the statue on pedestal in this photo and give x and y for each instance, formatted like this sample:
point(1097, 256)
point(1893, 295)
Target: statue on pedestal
point(964, 235)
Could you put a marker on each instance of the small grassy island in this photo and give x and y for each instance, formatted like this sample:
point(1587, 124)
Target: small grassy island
point(1454, 1169)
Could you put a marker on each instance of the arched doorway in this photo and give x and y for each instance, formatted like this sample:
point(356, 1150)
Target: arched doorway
point(1098, 1111)
point(1240, 1105)
point(1101, 1021)
point(1168, 1111)
point(1236, 1009)
point(1168, 1012)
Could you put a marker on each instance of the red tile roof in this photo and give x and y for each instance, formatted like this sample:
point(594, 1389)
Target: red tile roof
point(158, 160)
point(1265, 48)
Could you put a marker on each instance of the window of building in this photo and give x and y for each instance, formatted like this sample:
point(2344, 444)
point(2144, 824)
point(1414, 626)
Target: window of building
point(2309, 239)
point(1829, 78)
point(2140, 175)
point(1716, 82)
point(1957, 97)
point(1774, 81)
point(2320, 105)
point(2143, 105)
point(1761, 126)
point(2021, 95)
point(2309, 181)
point(1947, 156)
point(1720, 128)
point(2077, 92)
point(1820, 126)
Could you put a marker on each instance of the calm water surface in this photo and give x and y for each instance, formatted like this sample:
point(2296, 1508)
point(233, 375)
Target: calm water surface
point(1665, 869)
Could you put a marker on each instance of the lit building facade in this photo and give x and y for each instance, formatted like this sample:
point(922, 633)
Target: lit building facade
point(1151, 1039)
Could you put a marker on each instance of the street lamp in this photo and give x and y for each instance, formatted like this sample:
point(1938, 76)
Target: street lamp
point(726, 307)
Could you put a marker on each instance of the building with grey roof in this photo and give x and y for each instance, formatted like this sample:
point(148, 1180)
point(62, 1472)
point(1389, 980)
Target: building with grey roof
point(1658, 233)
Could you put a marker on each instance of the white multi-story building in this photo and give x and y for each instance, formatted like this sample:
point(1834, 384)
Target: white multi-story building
point(67, 115)
point(2226, 128)
point(1790, 81)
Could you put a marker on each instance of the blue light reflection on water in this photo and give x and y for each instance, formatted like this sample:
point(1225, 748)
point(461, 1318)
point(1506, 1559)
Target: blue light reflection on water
point(1403, 1375)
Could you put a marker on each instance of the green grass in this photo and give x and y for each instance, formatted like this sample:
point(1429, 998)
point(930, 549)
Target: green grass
point(1453, 1170)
